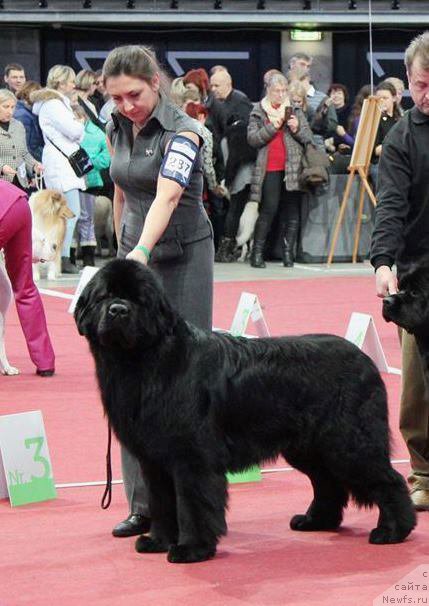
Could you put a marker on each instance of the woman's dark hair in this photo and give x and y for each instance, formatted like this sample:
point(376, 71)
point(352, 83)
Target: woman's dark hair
point(24, 94)
point(134, 61)
point(336, 86)
point(196, 109)
point(198, 77)
point(363, 93)
point(392, 90)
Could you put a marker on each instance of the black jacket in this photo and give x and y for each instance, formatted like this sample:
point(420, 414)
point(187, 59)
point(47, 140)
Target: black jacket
point(401, 232)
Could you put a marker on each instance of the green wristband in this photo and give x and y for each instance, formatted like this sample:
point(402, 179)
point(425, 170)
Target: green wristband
point(145, 250)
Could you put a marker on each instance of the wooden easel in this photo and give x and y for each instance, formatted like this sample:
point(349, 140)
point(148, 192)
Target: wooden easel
point(359, 165)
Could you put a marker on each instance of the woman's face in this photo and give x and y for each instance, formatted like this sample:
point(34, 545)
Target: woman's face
point(338, 98)
point(135, 98)
point(297, 101)
point(7, 109)
point(277, 93)
point(385, 101)
point(67, 87)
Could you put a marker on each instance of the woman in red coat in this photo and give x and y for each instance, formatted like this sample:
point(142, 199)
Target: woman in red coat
point(15, 240)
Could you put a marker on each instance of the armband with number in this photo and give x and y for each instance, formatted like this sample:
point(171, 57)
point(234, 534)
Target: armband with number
point(179, 160)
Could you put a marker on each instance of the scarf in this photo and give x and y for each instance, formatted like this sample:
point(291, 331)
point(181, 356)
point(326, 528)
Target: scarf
point(275, 115)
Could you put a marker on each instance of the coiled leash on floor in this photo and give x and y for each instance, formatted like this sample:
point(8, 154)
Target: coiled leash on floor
point(107, 496)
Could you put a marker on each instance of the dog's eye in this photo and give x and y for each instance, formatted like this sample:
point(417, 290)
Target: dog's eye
point(414, 293)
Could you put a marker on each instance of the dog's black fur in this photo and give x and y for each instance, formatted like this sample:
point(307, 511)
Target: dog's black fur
point(409, 308)
point(192, 405)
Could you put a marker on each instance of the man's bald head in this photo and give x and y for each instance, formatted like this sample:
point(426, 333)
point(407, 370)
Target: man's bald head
point(221, 84)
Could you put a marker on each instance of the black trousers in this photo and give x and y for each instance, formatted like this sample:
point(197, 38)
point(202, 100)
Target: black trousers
point(236, 207)
point(277, 201)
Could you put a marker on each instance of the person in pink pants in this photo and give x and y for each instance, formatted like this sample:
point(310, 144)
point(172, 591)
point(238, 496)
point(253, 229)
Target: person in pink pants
point(15, 239)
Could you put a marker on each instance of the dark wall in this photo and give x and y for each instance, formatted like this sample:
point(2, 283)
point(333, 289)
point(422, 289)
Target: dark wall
point(260, 51)
point(352, 66)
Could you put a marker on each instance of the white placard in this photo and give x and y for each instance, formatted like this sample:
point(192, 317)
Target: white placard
point(88, 272)
point(25, 455)
point(362, 332)
point(249, 308)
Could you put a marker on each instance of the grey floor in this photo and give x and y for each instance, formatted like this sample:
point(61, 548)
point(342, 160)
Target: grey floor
point(235, 272)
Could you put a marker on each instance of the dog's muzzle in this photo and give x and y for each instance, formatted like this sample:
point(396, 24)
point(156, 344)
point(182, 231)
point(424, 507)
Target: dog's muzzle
point(118, 310)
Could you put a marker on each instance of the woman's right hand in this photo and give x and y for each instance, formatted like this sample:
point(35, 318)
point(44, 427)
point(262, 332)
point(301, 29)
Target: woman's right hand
point(8, 170)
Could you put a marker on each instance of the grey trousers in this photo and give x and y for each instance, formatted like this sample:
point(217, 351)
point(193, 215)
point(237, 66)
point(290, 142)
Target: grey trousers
point(414, 411)
point(188, 283)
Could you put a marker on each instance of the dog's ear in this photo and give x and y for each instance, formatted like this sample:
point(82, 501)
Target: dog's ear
point(159, 319)
point(61, 209)
point(83, 313)
point(82, 316)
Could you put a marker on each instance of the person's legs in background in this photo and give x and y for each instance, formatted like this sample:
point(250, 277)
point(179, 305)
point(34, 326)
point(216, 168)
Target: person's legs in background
point(15, 239)
point(85, 228)
point(226, 252)
point(272, 190)
point(414, 420)
point(290, 225)
point(218, 208)
point(73, 202)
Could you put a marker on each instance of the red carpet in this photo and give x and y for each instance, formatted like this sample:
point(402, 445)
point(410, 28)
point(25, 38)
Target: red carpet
point(62, 551)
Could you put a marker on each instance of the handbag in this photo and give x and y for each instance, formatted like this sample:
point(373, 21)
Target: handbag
point(79, 160)
point(315, 164)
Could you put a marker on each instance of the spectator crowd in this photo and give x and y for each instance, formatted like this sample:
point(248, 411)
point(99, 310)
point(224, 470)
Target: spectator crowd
point(253, 154)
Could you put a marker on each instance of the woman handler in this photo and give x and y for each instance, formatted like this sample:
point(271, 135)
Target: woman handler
point(158, 211)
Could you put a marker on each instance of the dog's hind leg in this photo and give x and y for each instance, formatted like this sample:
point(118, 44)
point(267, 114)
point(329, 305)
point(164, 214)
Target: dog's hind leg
point(326, 510)
point(201, 504)
point(389, 492)
point(162, 507)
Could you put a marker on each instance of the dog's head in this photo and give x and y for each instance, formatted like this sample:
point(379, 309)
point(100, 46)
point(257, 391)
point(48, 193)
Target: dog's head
point(409, 308)
point(123, 307)
point(49, 211)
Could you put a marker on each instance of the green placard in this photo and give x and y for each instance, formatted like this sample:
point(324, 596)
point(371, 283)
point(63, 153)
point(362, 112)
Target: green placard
point(253, 474)
point(26, 462)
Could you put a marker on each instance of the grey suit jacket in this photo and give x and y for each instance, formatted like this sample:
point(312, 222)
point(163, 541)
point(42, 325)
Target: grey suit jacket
point(14, 152)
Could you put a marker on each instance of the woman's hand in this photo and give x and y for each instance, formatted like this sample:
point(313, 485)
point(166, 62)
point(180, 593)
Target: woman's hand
point(137, 255)
point(293, 124)
point(8, 170)
point(341, 131)
point(38, 168)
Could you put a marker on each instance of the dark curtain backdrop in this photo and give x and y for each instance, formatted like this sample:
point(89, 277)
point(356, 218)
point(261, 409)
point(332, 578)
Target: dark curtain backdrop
point(66, 45)
point(351, 65)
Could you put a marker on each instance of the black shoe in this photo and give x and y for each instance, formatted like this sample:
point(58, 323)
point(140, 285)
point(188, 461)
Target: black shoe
point(135, 524)
point(45, 373)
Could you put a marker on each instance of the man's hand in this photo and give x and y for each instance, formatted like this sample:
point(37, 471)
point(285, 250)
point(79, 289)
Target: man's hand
point(385, 281)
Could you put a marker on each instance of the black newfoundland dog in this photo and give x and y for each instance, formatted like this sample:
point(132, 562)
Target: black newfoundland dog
point(409, 308)
point(192, 405)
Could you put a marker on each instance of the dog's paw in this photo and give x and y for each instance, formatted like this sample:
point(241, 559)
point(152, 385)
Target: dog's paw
point(185, 554)
point(10, 370)
point(385, 536)
point(306, 523)
point(145, 544)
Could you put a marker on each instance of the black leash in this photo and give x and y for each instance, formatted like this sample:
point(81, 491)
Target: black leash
point(107, 496)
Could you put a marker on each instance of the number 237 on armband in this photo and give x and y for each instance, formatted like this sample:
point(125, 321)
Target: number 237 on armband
point(179, 160)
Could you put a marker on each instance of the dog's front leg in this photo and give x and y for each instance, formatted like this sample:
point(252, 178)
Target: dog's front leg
point(201, 502)
point(162, 507)
point(5, 367)
point(36, 272)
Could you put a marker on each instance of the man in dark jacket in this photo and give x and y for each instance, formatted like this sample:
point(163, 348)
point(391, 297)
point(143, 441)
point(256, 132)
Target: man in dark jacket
point(401, 236)
point(230, 105)
point(233, 102)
